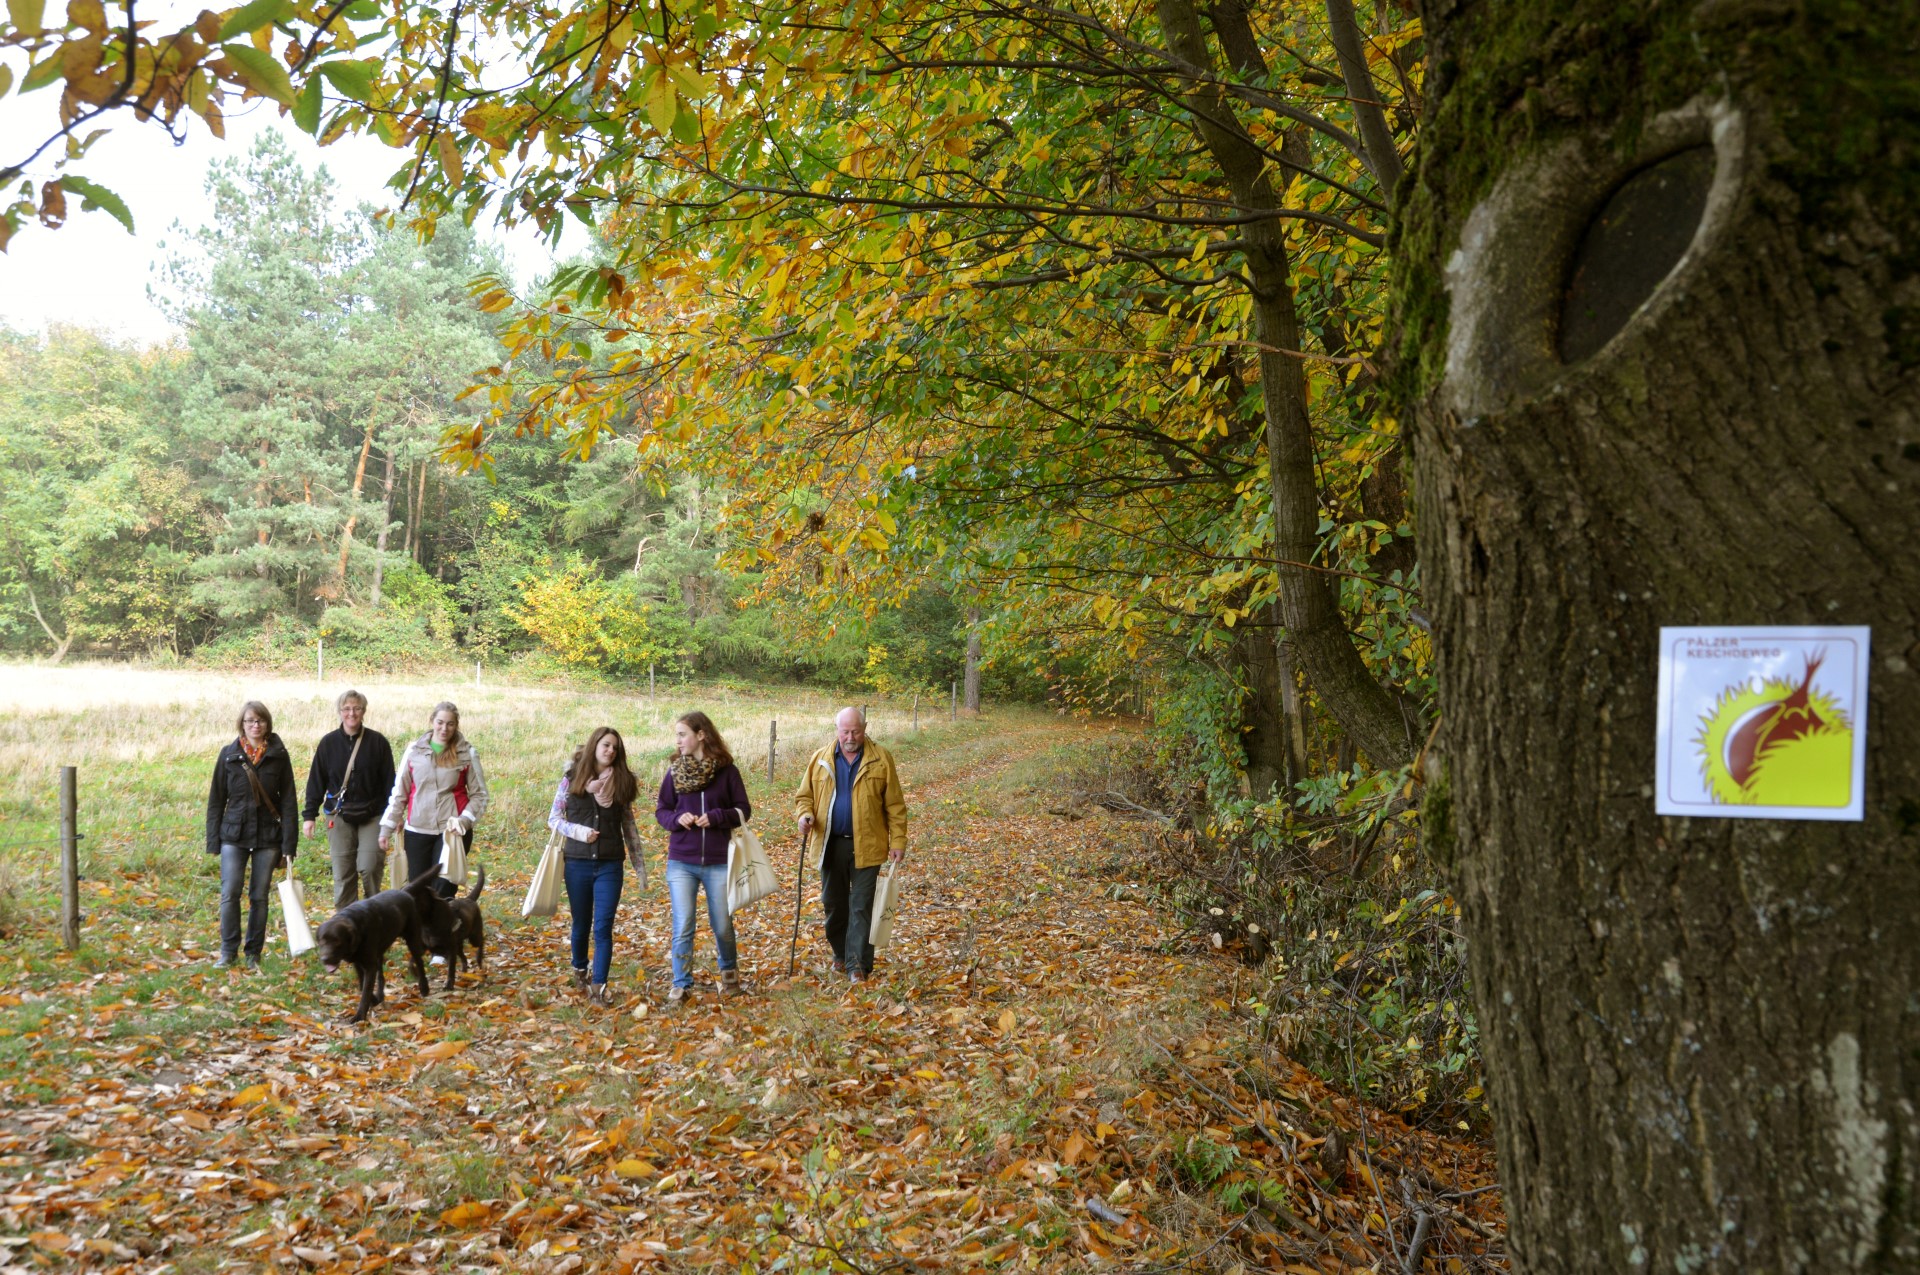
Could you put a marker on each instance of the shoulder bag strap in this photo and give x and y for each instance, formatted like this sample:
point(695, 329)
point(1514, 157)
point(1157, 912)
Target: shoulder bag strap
point(347, 778)
point(259, 789)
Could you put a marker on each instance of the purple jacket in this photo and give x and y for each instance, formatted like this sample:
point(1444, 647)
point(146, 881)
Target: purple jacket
point(724, 800)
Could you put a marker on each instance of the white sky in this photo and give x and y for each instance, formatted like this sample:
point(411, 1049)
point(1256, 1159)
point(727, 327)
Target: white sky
point(92, 272)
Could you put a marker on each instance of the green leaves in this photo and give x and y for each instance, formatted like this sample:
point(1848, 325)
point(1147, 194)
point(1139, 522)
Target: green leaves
point(43, 73)
point(95, 196)
point(306, 111)
point(261, 72)
point(28, 15)
point(250, 17)
point(661, 106)
point(353, 77)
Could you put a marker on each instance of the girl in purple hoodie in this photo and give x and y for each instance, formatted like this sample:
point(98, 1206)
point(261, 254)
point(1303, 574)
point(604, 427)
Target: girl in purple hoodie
point(702, 799)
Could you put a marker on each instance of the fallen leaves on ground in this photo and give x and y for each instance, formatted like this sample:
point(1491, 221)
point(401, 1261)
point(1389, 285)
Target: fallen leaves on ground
point(1039, 1077)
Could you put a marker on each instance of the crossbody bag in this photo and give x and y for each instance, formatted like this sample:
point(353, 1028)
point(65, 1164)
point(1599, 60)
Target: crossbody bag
point(330, 803)
point(259, 789)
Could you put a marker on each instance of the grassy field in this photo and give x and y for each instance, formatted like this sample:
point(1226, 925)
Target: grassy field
point(144, 742)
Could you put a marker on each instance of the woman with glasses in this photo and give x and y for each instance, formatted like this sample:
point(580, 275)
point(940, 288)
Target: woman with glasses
point(348, 782)
point(251, 825)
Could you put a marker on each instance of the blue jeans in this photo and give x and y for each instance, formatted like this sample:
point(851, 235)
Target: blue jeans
point(234, 861)
point(683, 881)
point(593, 892)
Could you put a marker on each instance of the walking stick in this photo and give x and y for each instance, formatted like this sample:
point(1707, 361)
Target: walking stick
point(799, 886)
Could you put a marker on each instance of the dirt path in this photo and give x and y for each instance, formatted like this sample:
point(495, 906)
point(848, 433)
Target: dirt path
point(1039, 1077)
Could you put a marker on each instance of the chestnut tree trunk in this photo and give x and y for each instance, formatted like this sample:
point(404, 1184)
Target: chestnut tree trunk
point(1659, 341)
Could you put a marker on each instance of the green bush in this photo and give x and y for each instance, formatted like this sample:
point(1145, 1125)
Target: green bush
point(387, 639)
point(280, 643)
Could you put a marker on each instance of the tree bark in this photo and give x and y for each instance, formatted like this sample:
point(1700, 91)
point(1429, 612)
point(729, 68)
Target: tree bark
point(1387, 728)
point(1293, 710)
point(386, 525)
point(971, 686)
point(1263, 723)
point(60, 642)
point(1700, 1034)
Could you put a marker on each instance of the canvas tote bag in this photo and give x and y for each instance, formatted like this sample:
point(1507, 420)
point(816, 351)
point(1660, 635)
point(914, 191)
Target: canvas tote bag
point(543, 894)
point(293, 901)
point(886, 897)
point(750, 875)
point(453, 852)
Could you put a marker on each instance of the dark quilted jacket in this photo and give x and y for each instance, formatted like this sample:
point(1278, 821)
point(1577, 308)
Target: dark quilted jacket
point(236, 817)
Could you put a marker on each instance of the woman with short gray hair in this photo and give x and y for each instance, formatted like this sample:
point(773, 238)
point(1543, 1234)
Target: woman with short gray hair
point(348, 782)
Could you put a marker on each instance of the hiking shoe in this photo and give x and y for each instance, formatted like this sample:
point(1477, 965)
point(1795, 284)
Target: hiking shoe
point(838, 967)
point(580, 981)
point(597, 994)
point(678, 997)
point(223, 962)
point(253, 961)
point(730, 983)
point(858, 976)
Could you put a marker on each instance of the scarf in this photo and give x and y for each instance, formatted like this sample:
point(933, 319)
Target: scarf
point(691, 774)
point(253, 754)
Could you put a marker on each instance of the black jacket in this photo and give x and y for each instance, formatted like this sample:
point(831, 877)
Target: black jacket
point(367, 786)
point(236, 817)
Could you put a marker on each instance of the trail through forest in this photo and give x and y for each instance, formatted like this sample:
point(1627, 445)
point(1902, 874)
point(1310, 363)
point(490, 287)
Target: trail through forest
point(1046, 1073)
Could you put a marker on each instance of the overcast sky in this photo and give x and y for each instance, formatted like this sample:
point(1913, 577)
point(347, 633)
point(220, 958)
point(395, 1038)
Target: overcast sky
point(92, 272)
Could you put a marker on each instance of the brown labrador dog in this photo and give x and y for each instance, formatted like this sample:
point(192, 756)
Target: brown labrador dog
point(360, 934)
point(449, 925)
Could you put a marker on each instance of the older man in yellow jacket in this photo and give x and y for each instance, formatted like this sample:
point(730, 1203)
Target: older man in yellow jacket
point(851, 791)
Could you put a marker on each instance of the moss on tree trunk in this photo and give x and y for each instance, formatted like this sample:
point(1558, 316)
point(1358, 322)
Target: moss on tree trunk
point(1703, 1036)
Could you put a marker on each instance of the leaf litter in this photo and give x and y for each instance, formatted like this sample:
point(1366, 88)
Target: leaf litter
point(1040, 1077)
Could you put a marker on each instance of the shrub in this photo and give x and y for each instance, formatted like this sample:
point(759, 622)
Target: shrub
point(588, 622)
point(385, 639)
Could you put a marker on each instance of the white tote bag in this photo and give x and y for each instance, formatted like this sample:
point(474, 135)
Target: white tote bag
point(750, 875)
point(886, 897)
point(293, 901)
point(543, 895)
point(453, 852)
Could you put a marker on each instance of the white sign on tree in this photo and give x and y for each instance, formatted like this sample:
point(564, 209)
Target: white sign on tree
point(1762, 723)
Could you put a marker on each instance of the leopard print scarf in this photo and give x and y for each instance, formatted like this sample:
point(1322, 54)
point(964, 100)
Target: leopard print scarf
point(691, 774)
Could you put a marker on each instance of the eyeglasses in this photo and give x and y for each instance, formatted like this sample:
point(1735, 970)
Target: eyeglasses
point(251, 721)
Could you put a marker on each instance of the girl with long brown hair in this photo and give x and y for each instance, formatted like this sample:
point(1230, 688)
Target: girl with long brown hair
point(702, 798)
point(593, 811)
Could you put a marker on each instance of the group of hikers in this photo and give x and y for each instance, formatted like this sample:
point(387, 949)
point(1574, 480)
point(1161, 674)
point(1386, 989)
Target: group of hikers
point(850, 793)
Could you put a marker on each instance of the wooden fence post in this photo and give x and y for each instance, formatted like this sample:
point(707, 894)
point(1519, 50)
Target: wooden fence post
point(773, 746)
point(916, 712)
point(69, 857)
point(953, 713)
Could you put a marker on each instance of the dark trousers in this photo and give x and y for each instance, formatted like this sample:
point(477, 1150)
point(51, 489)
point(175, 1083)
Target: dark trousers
point(423, 851)
point(235, 861)
point(593, 894)
point(847, 894)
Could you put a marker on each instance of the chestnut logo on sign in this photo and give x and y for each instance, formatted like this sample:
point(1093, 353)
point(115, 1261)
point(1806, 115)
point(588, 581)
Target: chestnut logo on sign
point(1765, 723)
